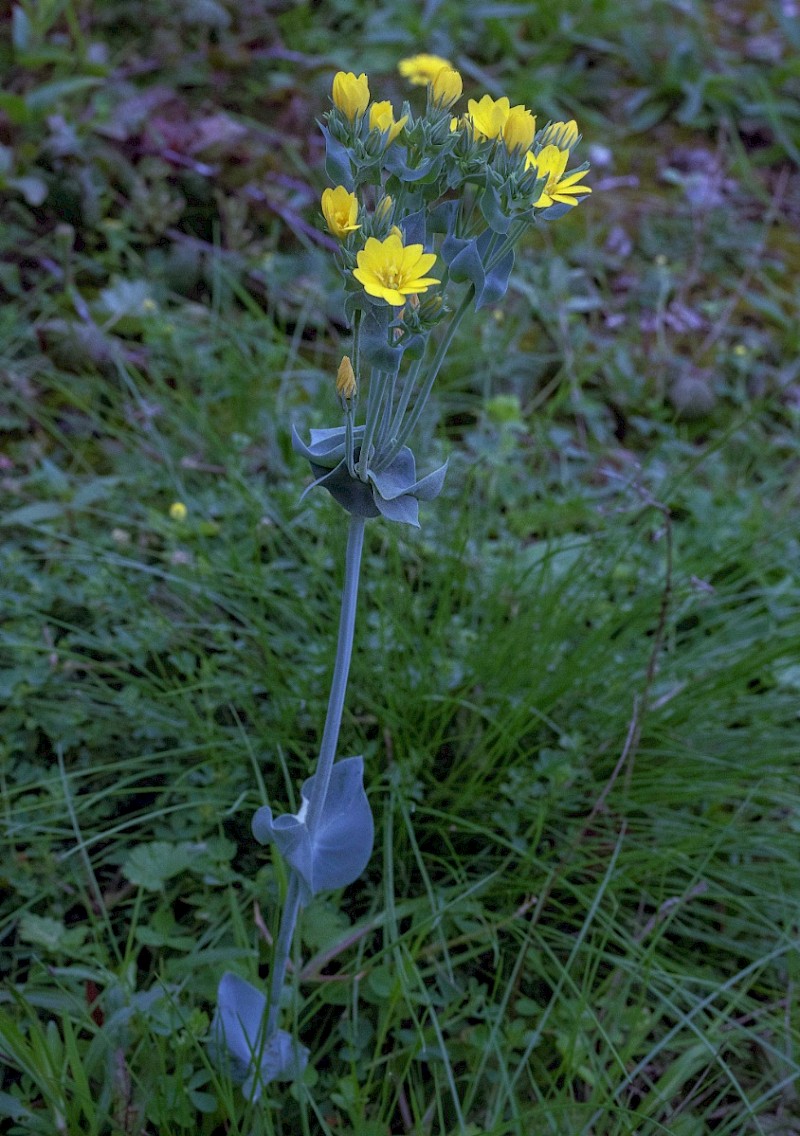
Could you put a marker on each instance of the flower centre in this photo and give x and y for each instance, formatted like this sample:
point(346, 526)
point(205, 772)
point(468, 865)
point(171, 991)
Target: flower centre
point(392, 276)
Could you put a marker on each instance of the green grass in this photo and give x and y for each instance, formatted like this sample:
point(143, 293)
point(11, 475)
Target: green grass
point(575, 689)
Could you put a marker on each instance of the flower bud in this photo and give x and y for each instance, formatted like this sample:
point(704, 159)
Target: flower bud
point(346, 379)
point(430, 307)
point(519, 129)
point(561, 134)
point(350, 93)
point(383, 208)
point(446, 87)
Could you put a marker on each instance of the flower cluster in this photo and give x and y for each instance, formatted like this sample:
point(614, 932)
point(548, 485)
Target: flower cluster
point(422, 204)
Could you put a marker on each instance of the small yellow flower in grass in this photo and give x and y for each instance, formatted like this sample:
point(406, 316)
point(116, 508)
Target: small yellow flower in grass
point(350, 93)
point(551, 163)
point(519, 129)
point(391, 270)
point(381, 117)
point(561, 134)
point(178, 511)
point(446, 87)
point(340, 210)
point(345, 378)
point(489, 116)
point(422, 69)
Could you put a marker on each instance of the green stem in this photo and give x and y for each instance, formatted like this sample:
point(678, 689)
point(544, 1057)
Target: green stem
point(280, 961)
point(405, 396)
point(508, 243)
point(374, 401)
point(327, 754)
point(419, 406)
point(357, 345)
point(341, 669)
point(386, 415)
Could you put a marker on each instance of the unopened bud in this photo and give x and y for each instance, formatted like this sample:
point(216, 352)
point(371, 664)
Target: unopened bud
point(350, 93)
point(346, 379)
point(519, 129)
point(430, 308)
point(446, 87)
point(383, 209)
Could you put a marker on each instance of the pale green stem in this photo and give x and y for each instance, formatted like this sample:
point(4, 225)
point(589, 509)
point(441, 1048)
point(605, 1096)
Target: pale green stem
point(386, 416)
point(341, 669)
point(327, 754)
point(357, 345)
point(280, 961)
point(374, 401)
point(349, 446)
point(436, 362)
point(514, 234)
point(405, 396)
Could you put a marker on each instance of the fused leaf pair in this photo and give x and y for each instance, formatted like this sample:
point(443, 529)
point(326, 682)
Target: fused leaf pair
point(239, 1041)
point(393, 492)
point(337, 850)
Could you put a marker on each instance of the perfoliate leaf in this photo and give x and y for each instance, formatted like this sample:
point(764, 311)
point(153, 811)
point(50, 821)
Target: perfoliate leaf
point(375, 346)
point(338, 849)
point(337, 160)
point(395, 163)
point(385, 491)
point(353, 495)
point(402, 509)
point(413, 227)
point(238, 1041)
point(492, 210)
point(468, 260)
point(554, 211)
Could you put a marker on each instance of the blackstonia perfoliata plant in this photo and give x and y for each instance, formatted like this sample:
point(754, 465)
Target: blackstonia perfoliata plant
point(427, 209)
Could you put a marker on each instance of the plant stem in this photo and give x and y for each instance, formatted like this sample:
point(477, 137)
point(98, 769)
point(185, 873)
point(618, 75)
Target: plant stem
point(344, 651)
point(413, 418)
point(280, 961)
point(327, 754)
point(374, 401)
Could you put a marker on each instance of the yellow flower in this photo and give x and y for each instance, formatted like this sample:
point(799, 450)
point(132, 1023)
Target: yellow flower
point(446, 87)
point(391, 270)
point(381, 117)
point(422, 69)
point(488, 117)
point(340, 209)
point(345, 378)
point(178, 511)
point(519, 128)
point(561, 134)
point(551, 163)
point(350, 93)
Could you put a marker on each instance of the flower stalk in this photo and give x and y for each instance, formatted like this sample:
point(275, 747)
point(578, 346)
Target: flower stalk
point(327, 753)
